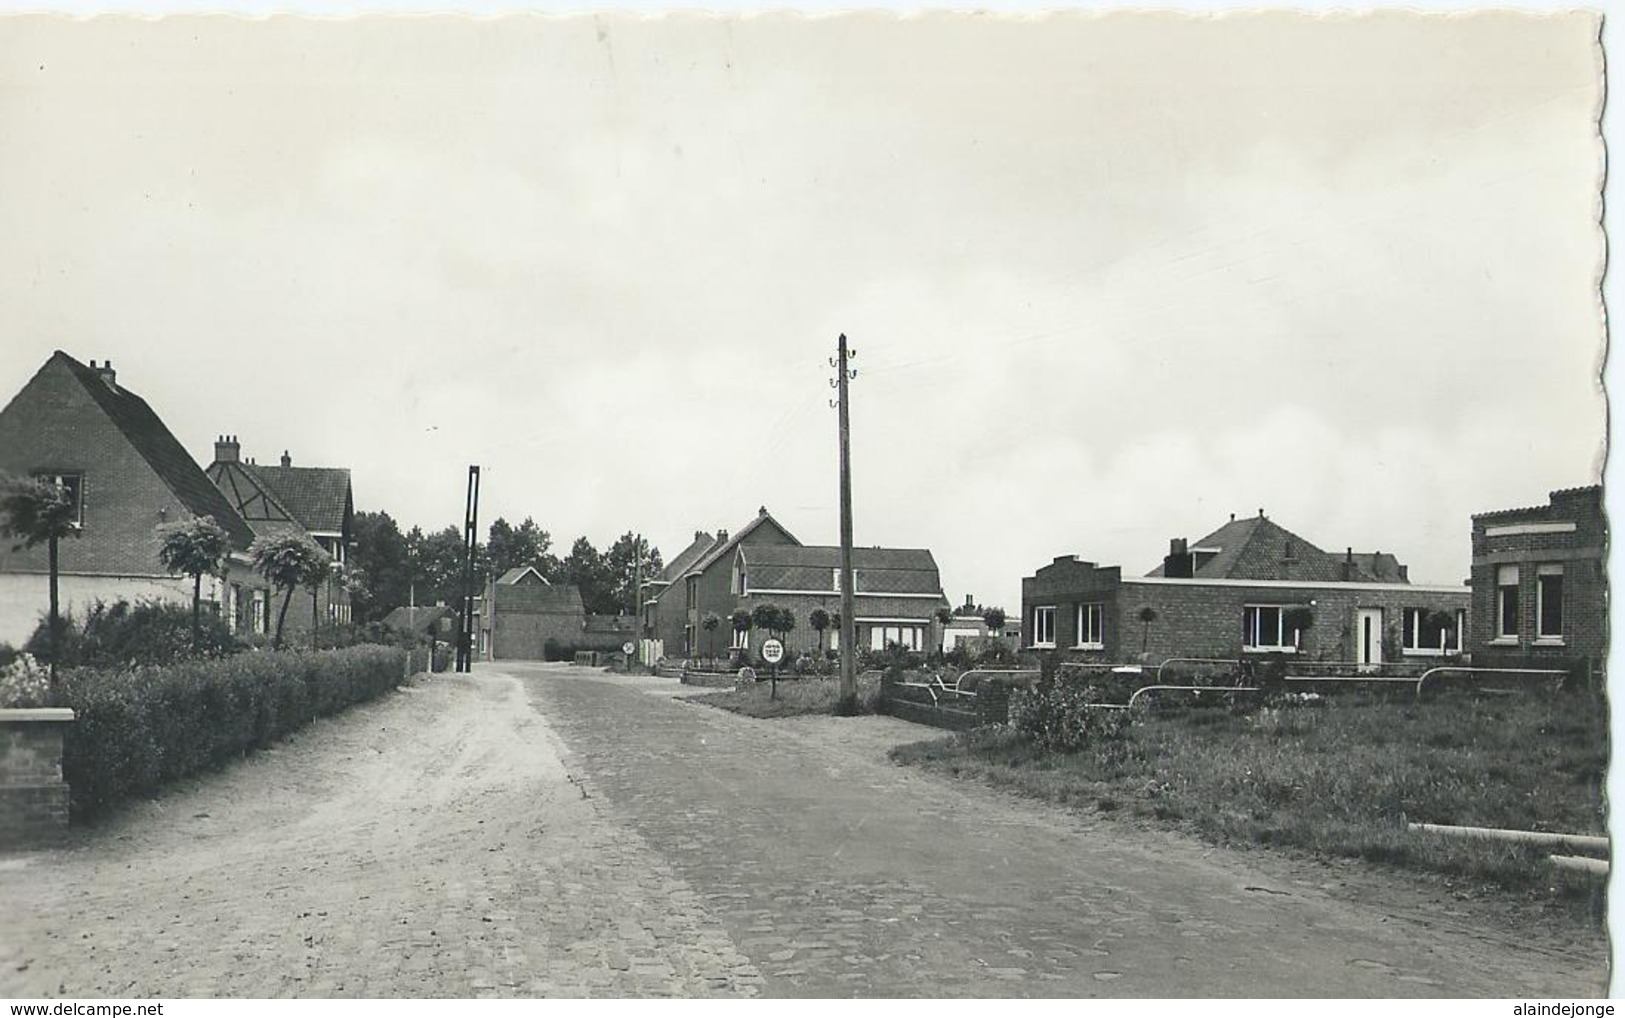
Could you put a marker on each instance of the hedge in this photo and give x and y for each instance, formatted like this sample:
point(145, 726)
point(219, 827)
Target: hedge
point(139, 730)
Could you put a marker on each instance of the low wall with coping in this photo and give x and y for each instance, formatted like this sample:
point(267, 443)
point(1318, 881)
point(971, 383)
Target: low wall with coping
point(33, 796)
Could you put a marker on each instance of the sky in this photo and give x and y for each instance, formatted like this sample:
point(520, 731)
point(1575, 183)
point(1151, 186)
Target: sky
point(1109, 279)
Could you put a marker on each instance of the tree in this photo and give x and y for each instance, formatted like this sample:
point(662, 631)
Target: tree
point(285, 560)
point(995, 620)
point(197, 548)
point(586, 570)
point(623, 572)
point(437, 565)
point(36, 513)
point(765, 617)
point(316, 573)
point(382, 554)
point(510, 547)
point(945, 616)
point(819, 620)
point(710, 623)
point(742, 622)
point(1297, 619)
point(1146, 615)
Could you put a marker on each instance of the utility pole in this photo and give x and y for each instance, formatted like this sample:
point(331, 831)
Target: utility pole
point(849, 626)
point(465, 640)
point(637, 594)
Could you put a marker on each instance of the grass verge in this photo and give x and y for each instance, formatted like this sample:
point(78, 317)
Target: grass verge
point(1339, 780)
point(795, 697)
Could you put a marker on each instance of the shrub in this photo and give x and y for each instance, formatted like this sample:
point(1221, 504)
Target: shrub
point(122, 635)
point(24, 682)
point(1060, 716)
point(137, 730)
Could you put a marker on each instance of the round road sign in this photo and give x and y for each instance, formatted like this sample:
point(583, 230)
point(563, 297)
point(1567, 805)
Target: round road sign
point(628, 647)
point(772, 652)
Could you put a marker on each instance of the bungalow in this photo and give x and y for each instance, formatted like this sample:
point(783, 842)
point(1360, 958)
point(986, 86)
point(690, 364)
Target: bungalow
point(1540, 584)
point(77, 427)
point(1249, 587)
point(315, 501)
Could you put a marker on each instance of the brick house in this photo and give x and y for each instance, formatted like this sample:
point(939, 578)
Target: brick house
point(896, 593)
point(1540, 584)
point(315, 501)
point(670, 624)
point(1250, 587)
point(77, 426)
point(677, 614)
point(521, 613)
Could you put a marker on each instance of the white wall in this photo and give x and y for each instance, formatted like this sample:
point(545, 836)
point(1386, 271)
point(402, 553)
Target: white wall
point(25, 597)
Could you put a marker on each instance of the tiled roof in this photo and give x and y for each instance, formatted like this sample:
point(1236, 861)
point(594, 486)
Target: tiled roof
point(686, 558)
point(417, 619)
point(722, 548)
point(879, 570)
point(1258, 548)
point(167, 457)
point(512, 576)
point(318, 497)
point(1379, 567)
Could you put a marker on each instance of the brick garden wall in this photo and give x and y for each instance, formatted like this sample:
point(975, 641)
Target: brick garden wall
point(33, 796)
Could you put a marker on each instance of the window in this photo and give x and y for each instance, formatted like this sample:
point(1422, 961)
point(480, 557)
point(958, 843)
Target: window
point(1506, 603)
point(1044, 626)
point(73, 485)
point(1091, 626)
point(1549, 602)
point(741, 639)
point(262, 613)
point(1430, 631)
point(1263, 627)
point(906, 637)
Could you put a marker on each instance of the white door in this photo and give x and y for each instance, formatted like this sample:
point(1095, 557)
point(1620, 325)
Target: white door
point(1368, 636)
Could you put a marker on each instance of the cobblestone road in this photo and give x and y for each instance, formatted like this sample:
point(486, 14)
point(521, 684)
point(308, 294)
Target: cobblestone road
point(839, 873)
point(430, 844)
point(536, 831)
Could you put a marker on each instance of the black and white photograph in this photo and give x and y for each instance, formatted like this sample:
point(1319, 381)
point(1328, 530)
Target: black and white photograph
point(756, 504)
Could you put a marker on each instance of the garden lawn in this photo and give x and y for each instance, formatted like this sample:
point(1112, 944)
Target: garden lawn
point(795, 697)
point(1340, 779)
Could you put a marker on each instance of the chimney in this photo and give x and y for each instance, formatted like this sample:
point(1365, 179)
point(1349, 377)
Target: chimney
point(107, 373)
point(1260, 512)
point(970, 603)
point(226, 449)
point(700, 535)
point(722, 536)
point(1348, 565)
point(762, 511)
point(287, 461)
point(1180, 563)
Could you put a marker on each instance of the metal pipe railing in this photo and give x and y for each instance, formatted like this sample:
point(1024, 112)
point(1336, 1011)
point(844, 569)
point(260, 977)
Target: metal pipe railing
point(1549, 673)
point(1196, 661)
